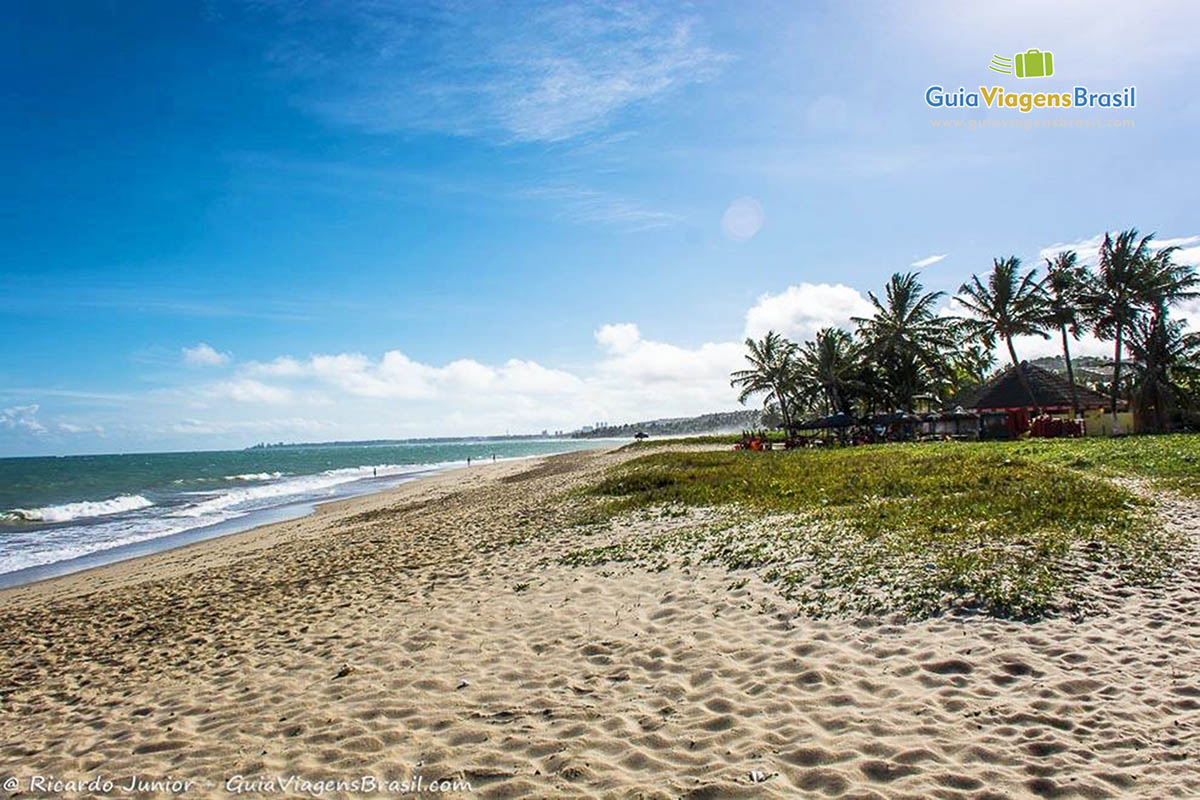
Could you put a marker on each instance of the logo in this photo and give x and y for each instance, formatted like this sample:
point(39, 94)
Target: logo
point(1033, 63)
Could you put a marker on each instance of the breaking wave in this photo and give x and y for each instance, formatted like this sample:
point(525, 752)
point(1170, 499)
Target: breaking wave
point(81, 510)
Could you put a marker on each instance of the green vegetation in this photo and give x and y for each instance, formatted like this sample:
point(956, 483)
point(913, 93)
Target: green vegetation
point(1010, 528)
point(1168, 462)
point(909, 349)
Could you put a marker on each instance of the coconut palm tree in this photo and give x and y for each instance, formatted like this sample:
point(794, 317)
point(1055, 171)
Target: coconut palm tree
point(827, 369)
point(772, 373)
point(1009, 304)
point(1064, 286)
point(1165, 282)
point(971, 363)
point(1165, 361)
point(1132, 279)
point(906, 338)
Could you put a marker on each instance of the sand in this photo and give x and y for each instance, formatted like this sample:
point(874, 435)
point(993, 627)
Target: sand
point(428, 633)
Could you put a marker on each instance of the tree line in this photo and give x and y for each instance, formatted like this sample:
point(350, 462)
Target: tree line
point(906, 348)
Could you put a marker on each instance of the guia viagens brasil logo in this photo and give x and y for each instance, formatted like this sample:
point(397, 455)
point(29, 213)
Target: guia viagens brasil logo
point(1032, 63)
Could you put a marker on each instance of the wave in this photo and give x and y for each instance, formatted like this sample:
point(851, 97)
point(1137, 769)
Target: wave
point(81, 510)
point(254, 476)
point(302, 485)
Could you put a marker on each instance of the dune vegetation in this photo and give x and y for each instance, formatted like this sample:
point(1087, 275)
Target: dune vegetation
point(1010, 528)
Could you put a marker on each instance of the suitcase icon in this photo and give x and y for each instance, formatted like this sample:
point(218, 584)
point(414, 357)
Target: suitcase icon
point(1034, 63)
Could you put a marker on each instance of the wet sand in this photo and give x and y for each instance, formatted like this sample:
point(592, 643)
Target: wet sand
point(429, 632)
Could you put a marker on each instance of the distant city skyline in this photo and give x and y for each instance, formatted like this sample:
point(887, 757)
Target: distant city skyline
point(239, 222)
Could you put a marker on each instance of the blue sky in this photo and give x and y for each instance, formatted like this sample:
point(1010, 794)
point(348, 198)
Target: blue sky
point(230, 222)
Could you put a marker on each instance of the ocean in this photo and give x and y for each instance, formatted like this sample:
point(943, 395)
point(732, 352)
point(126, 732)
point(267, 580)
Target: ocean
point(63, 514)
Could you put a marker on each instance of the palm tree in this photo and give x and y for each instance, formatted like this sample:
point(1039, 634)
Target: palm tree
point(906, 338)
point(1165, 361)
point(827, 369)
point(1132, 279)
point(1009, 305)
point(1165, 283)
point(1064, 287)
point(971, 363)
point(772, 373)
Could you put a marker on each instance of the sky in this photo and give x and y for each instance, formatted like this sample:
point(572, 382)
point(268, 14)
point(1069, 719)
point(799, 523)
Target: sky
point(233, 222)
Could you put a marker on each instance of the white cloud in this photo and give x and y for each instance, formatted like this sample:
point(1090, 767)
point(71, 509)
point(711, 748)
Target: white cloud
point(395, 376)
point(1030, 347)
point(1188, 252)
point(618, 338)
point(800, 311)
point(547, 74)
point(282, 367)
point(921, 263)
point(203, 355)
point(578, 204)
point(1088, 250)
point(71, 427)
point(246, 390)
point(641, 362)
point(22, 418)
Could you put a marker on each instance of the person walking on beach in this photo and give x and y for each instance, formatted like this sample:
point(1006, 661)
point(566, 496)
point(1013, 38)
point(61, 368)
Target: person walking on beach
point(468, 461)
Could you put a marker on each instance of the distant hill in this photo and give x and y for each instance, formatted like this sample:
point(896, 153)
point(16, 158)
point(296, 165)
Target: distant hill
point(721, 422)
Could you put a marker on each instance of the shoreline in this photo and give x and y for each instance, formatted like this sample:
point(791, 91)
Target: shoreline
point(266, 532)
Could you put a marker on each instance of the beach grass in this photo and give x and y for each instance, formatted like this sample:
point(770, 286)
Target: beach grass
point(1009, 528)
point(1170, 462)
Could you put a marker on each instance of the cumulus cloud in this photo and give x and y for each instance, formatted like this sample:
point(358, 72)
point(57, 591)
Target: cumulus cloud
point(921, 263)
point(22, 418)
point(800, 311)
point(204, 355)
point(395, 376)
point(641, 362)
point(619, 338)
point(247, 390)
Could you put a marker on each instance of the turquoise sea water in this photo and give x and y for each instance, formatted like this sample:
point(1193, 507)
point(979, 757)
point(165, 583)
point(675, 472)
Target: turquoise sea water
point(74, 512)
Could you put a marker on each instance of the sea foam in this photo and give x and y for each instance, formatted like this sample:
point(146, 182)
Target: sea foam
point(80, 510)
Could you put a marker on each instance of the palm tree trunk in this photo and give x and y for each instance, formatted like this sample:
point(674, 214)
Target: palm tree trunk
point(1070, 373)
point(1012, 353)
point(783, 412)
point(1116, 381)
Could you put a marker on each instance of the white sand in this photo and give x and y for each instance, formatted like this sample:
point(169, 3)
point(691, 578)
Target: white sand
point(463, 654)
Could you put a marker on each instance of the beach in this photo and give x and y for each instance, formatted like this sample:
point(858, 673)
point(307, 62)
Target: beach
point(432, 636)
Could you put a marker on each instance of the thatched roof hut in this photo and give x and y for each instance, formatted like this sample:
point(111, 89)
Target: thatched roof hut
point(1051, 391)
